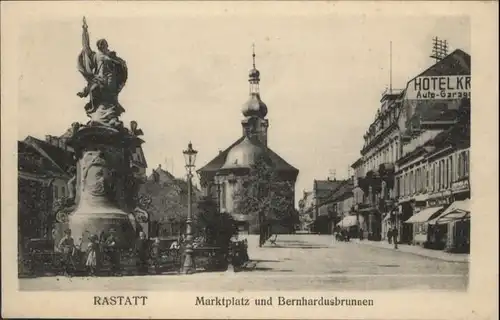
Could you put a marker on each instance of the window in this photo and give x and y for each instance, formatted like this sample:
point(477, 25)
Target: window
point(408, 184)
point(56, 192)
point(438, 185)
point(396, 188)
point(466, 163)
point(445, 173)
point(403, 185)
point(427, 178)
point(413, 181)
point(434, 177)
point(419, 180)
point(452, 169)
point(223, 196)
point(397, 150)
point(451, 177)
point(63, 191)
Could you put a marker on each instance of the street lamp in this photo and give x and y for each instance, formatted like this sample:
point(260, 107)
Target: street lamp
point(190, 158)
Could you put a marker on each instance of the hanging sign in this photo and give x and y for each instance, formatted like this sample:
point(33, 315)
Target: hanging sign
point(439, 87)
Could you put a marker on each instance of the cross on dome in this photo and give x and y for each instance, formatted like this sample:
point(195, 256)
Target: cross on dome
point(254, 106)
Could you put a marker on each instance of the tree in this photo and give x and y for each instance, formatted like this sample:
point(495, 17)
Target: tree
point(266, 198)
point(165, 202)
point(217, 228)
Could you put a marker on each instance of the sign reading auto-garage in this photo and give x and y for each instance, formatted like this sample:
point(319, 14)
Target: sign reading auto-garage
point(439, 87)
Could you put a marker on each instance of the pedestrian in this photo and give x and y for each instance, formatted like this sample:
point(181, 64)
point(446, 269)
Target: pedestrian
point(93, 255)
point(156, 254)
point(67, 247)
point(113, 252)
point(395, 237)
point(389, 235)
point(142, 253)
point(360, 233)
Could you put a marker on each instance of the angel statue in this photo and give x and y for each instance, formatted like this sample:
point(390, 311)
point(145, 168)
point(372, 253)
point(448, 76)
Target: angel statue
point(106, 75)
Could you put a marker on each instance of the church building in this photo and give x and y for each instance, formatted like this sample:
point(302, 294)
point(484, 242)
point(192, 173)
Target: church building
point(221, 177)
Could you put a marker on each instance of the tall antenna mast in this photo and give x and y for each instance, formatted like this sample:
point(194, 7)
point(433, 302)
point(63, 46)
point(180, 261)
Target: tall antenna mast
point(390, 67)
point(439, 49)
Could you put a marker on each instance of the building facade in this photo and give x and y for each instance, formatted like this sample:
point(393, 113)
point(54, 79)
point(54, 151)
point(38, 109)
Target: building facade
point(322, 193)
point(223, 176)
point(403, 152)
point(374, 195)
point(433, 170)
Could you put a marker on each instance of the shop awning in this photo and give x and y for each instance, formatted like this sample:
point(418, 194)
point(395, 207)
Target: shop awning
point(456, 211)
point(423, 215)
point(350, 221)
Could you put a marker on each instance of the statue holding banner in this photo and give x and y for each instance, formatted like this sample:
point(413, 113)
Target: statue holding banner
point(106, 75)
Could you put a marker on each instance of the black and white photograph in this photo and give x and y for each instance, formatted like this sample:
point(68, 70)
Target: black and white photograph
point(243, 151)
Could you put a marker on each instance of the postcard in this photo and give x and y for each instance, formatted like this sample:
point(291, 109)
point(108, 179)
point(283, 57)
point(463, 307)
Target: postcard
point(249, 160)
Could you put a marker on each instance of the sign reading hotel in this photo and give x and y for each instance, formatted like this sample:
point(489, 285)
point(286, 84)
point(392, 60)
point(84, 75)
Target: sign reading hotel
point(439, 87)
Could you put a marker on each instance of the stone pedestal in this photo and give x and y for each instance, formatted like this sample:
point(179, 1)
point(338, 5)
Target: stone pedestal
point(103, 200)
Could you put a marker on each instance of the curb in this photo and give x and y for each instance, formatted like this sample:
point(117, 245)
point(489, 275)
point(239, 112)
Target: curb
point(414, 253)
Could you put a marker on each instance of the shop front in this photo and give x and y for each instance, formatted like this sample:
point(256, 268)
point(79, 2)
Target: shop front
point(438, 233)
point(460, 239)
point(405, 230)
point(456, 220)
point(419, 222)
point(353, 224)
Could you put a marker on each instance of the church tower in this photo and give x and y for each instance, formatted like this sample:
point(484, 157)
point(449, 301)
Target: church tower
point(255, 110)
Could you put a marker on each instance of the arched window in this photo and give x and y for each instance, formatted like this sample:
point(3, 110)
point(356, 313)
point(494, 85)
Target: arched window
point(223, 195)
point(466, 163)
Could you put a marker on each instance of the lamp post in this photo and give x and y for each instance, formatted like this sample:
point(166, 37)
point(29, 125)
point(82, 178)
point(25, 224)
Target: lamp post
point(190, 158)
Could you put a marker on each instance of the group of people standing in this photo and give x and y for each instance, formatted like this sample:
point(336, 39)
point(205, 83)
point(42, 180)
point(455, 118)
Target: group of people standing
point(344, 234)
point(101, 247)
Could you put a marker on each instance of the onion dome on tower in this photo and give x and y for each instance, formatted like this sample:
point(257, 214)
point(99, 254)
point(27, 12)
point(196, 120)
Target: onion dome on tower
point(254, 107)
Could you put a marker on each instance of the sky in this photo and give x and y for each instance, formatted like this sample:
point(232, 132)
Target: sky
point(321, 78)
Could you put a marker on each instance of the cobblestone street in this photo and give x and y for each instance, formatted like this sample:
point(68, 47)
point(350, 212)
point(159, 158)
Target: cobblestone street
point(296, 262)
